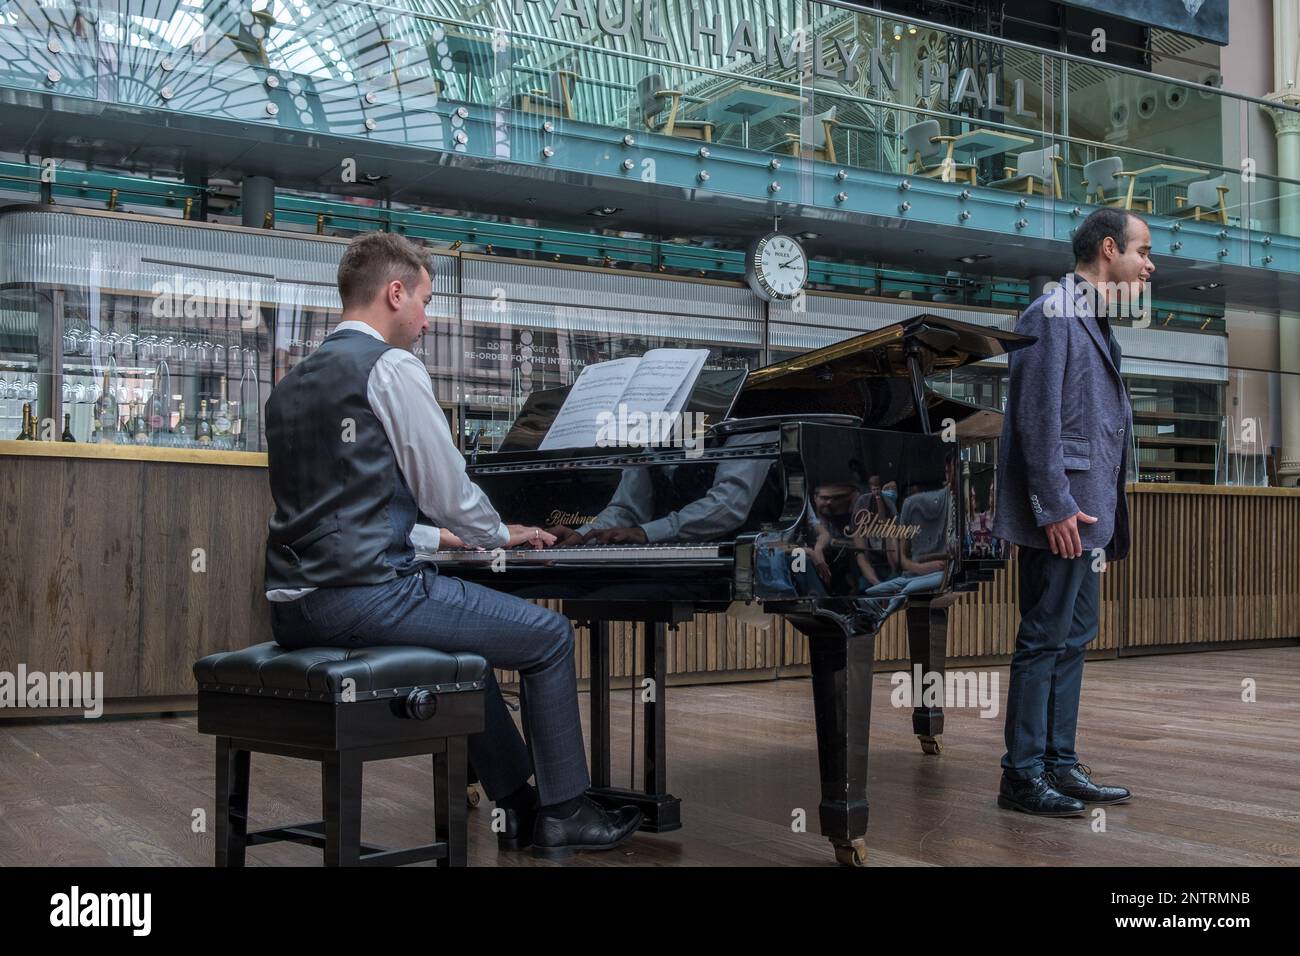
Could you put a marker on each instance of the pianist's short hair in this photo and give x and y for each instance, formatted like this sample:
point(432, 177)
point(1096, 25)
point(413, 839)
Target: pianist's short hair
point(1103, 222)
point(373, 260)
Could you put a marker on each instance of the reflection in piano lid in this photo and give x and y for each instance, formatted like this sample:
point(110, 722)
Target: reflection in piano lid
point(879, 376)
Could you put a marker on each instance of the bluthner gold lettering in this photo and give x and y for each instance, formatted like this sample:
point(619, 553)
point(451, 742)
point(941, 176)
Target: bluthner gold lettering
point(867, 524)
point(569, 517)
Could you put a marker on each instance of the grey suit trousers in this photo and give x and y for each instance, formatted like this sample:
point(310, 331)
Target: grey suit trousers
point(448, 614)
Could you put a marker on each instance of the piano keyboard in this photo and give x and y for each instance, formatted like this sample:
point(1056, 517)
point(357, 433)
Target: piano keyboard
point(589, 555)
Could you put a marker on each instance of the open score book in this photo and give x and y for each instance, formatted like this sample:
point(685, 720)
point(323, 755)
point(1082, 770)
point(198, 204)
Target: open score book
point(658, 383)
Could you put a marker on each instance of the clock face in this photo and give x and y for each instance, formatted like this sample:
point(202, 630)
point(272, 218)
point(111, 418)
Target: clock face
point(778, 267)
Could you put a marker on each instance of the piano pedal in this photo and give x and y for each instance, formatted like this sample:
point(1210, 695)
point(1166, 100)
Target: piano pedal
point(850, 853)
point(931, 745)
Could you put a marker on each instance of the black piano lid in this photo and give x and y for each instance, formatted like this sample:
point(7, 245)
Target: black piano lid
point(868, 375)
point(946, 344)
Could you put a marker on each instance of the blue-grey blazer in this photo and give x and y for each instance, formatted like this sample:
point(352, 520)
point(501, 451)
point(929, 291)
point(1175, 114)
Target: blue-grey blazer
point(1067, 428)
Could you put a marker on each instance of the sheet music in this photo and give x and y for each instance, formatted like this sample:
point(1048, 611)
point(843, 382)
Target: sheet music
point(663, 381)
point(597, 390)
point(658, 382)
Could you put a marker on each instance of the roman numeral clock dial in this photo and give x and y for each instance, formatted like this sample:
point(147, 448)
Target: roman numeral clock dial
point(776, 267)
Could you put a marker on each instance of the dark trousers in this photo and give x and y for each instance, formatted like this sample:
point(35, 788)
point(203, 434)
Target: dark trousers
point(449, 614)
point(1059, 601)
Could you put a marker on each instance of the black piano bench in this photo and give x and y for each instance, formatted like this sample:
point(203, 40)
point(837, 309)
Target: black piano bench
point(341, 707)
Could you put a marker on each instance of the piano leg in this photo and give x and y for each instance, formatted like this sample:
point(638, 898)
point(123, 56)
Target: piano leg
point(927, 641)
point(662, 811)
point(599, 660)
point(841, 679)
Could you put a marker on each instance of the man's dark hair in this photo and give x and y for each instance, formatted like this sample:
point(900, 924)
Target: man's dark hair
point(372, 261)
point(1106, 221)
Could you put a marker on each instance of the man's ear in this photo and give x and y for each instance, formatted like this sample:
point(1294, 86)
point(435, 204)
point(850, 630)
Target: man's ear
point(393, 292)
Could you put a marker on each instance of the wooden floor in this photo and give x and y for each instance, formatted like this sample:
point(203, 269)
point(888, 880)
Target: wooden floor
point(1215, 781)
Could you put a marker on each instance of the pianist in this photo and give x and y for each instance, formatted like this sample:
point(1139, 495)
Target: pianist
point(357, 447)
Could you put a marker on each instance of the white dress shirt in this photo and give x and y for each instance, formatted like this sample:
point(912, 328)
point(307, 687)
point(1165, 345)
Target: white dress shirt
point(401, 397)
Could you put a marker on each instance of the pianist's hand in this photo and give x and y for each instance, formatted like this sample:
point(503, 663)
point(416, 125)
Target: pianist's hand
point(615, 536)
point(564, 535)
point(527, 534)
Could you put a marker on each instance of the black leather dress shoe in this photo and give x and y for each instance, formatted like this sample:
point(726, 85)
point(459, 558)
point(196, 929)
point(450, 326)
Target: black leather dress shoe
point(518, 832)
point(590, 827)
point(1036, 796)
point(1076, 783)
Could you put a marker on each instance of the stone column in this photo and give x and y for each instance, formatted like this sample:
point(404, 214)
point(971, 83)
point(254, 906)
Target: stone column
point(1286, 86)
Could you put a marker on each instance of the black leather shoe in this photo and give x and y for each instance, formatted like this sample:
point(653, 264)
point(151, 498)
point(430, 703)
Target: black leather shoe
point(518, 832)
point(1075, 783)
point(1036, 796)
point(590, 827)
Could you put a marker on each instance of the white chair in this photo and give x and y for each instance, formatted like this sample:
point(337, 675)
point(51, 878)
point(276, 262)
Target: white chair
point(1103, 186)
point(1037, 167)
point(932, 153)
point(654, 98)
point(816, 133)
point(1205, 197)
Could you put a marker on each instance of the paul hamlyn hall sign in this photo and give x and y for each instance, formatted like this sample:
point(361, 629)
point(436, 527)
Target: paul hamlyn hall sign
point(835, 58)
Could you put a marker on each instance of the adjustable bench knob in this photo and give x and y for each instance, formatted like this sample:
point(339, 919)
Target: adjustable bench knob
point(420, 705)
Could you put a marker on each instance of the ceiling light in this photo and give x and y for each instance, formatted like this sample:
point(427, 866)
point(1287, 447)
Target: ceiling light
point(810, 235)
point(969, 260)
point(604, 210)
point(911, 29)
point(898, 31)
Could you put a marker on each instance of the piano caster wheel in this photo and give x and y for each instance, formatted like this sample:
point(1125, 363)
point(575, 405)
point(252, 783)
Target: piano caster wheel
point(472, 796)
point(931, 745)
point(851, 854)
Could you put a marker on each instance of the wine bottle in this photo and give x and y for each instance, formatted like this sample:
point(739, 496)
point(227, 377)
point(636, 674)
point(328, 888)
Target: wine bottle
point(67, 427)
point(139, 427)
point(180, 418)
point(106, 413)
point(236, 426)
point(31, 428)
point(27, 414)
point(157, 409)
point(221, 416)
point(202, 427)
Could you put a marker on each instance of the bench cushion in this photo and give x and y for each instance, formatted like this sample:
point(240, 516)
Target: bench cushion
point(318, 673)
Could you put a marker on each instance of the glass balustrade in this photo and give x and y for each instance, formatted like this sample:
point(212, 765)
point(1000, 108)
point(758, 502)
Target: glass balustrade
point(813, 82)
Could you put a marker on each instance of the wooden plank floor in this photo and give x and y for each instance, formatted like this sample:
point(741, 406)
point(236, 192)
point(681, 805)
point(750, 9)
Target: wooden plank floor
point(1215, 781)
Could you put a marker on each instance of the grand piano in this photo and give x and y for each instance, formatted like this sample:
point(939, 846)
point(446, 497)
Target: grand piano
point(838, 489)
